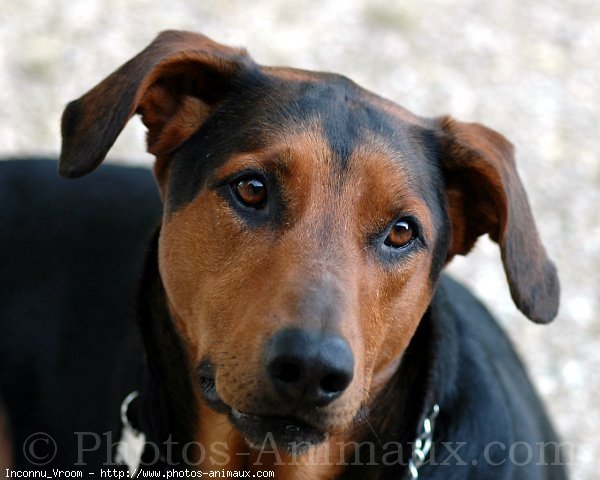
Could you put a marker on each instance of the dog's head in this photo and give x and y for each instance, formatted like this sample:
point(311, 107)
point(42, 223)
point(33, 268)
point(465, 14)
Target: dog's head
point(306, 222)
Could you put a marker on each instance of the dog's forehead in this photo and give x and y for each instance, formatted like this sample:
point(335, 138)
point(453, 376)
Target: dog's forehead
point(265, 108)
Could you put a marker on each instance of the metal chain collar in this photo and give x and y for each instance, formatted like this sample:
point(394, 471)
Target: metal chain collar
point(423, 443)
point(421, 446)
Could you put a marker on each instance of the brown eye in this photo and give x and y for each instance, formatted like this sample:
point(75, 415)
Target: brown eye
point(402, 233)
point(251, 192)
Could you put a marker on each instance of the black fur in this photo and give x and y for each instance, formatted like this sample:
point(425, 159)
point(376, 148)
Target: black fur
point(70, 350)
point(166, 410)
point(71, 256)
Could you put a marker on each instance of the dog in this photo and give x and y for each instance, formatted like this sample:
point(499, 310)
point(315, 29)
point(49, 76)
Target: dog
point(292, 308)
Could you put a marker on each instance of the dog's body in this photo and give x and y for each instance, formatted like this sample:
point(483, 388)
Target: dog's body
point(291, 298)
point(69, 343)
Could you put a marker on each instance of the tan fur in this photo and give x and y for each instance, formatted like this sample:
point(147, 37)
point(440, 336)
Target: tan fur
point(230, 287)
point(6, 450)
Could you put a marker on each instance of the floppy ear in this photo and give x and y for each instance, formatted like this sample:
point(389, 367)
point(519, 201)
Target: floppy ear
point(485, 195)
point(174, 84)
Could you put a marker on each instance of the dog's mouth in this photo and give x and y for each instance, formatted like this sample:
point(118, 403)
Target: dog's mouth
point(288, 433)
point(266, 432)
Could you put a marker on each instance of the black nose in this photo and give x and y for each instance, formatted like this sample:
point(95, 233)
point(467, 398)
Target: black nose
point(309, 368)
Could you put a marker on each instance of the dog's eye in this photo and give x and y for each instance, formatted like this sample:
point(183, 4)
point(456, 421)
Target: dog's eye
point(251, 192)
point(402, 233)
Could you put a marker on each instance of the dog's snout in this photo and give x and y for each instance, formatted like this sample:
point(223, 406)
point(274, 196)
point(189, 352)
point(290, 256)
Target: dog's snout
point(309, 368)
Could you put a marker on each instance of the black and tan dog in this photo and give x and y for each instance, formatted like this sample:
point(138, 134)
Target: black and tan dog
point(293, 297)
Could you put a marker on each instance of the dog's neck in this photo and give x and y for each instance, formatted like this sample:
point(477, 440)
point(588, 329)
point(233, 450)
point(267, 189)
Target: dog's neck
point(394, 415)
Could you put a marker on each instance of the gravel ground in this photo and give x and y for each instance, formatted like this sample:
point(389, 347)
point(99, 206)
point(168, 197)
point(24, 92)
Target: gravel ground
point(527, 68)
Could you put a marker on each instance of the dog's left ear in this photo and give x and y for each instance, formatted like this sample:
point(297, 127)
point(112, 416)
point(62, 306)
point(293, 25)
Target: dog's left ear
point(485, 195)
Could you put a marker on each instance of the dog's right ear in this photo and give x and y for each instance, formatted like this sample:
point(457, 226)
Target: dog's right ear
point(174, 84)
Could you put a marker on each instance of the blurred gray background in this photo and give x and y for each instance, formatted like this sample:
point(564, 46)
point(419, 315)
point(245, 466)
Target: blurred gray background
point(528, 68)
